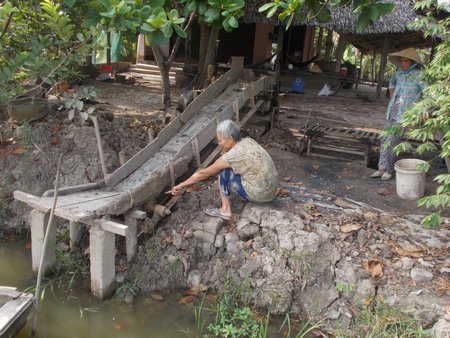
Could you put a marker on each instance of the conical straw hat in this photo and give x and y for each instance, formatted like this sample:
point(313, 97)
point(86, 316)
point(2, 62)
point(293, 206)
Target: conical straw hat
point(409, 53)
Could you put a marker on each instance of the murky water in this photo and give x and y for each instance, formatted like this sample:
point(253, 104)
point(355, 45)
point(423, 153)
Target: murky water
point(74, 313)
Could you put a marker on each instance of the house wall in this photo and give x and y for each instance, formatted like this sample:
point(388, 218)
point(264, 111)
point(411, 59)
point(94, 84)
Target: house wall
point(262, 47)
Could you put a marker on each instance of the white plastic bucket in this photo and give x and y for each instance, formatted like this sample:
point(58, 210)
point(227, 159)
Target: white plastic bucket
point(410, 182)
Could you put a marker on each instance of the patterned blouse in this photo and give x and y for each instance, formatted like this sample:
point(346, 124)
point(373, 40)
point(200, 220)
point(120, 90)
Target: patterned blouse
point(407, 90)
point(258, 172)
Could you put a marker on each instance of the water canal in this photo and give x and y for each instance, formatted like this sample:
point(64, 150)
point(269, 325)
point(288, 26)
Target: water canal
point(75, 313)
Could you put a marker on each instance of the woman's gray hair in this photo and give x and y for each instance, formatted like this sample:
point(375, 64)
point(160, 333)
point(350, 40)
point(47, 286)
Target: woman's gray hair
point(229, 128)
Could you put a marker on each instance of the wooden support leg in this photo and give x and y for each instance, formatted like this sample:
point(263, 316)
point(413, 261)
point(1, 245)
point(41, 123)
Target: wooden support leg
point(39, 222)
point(103, 270)
point(75, 232)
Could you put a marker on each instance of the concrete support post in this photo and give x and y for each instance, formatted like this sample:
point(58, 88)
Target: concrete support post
point(103, 270)
point(131, 237)
point(74, 234)
point(140, 53)
point(39, 221)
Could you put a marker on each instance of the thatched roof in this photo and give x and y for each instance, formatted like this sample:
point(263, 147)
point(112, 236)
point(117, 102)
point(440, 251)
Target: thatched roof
point(343, 21)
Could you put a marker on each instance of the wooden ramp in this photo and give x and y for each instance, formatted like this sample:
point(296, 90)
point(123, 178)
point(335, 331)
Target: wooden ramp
point(155, 167)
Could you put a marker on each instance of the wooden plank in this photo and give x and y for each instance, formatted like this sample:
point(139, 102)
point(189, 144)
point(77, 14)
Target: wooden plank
point(75, 189)
point(137, 214)
point(340, 150)
point(338, 158)
point(210, 93)
point(31, 200)
point(145, 154)
point(211, 157)
point(151, 186)
point(251, 112)
point(114, 227)
point(85, 211)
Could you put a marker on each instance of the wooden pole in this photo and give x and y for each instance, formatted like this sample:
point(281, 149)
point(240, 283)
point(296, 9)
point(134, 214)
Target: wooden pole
point(383, 61)
point(48, 230)
point(432, 51)
point(99, 145)
point(280, 40)
point(373, 65)
point(319, 42)
point(329, 45)
point(360, 71)
point(340, 52)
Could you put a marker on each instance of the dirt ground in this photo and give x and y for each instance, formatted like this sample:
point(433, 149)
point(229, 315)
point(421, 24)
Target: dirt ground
point(127, 112)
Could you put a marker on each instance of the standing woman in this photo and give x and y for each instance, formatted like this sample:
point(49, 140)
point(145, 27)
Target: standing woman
point(405, 88)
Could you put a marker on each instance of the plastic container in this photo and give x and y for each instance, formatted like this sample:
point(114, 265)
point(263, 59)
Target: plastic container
point(410, 182)
point(298, 86)
point(27, 108)
point(343, 71)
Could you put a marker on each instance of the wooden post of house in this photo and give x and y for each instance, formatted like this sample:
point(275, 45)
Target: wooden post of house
point(340, 52)
point(280, 40)
point(383, 61)
point(360, 70)
point(329, 45)
point(319, 42)
point(373, 65)
point(432, 51)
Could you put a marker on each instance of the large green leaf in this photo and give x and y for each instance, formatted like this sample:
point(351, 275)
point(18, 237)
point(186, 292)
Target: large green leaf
point(372, 12)
point(324, 15)
point(384, 8)
point(157, 38)
point(167, 30)
point(212, 14)
point(70, 3)
point(180, 31)
point(362, 22)
point(232, 21)
point(157, 3)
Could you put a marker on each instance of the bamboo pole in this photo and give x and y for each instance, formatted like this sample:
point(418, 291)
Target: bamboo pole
point(44, 249)
point(99, 145)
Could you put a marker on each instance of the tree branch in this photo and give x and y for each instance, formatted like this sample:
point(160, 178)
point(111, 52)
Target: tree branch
point(5, 29)
point(178, 41)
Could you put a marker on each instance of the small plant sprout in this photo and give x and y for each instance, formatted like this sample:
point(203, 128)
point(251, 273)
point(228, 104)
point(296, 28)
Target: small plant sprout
point(75, 102)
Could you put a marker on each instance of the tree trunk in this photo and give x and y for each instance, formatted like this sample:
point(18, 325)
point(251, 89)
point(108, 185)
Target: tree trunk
point(165, 82)
point(446, 159)
point(204, 38)
point(108, 50)
point(329, 45)
point(210, 57)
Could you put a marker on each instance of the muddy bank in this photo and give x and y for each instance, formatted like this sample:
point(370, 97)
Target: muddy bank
point(308, 252)
point(29, 152)
point(319, 256)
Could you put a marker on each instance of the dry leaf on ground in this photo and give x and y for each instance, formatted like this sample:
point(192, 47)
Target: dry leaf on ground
point(375, 267)
point(370, 216)
point(407, 249)
point(349, 187)
point(248, 244)
point(283, 192)
point(344, 204)
point(287, 178)
point(157, 296)
point(384, 191)
point(346, 228)
point(118, 326)
point(186, 300)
